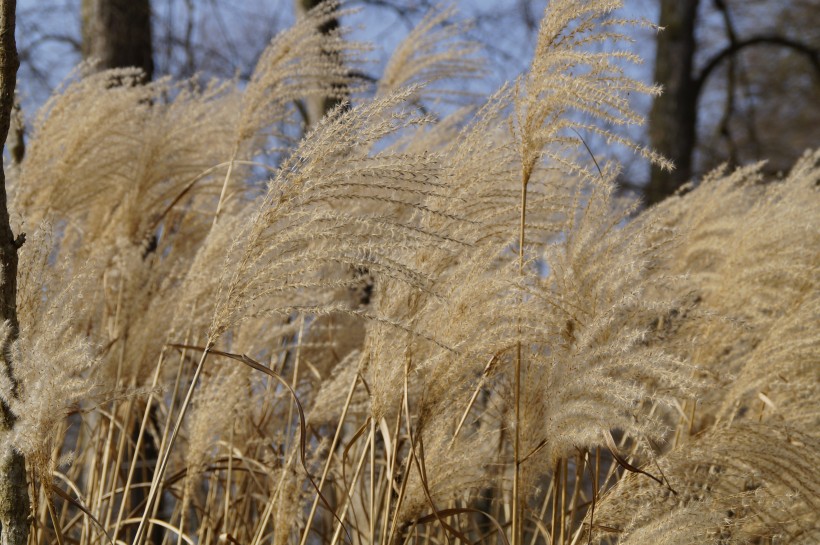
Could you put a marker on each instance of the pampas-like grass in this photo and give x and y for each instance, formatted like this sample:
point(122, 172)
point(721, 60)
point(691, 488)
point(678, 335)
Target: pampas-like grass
point(418, 329)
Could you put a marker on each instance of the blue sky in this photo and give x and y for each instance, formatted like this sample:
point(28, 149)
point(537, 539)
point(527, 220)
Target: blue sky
point(227, 36)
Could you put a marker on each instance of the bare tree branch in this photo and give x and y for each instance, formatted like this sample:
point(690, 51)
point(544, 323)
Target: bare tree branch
point(724, 127)
point(811, 53)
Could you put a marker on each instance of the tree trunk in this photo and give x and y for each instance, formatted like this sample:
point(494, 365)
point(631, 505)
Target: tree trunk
point(317, 107)
point(118, 34)
point(673, 119)
point(14, 500)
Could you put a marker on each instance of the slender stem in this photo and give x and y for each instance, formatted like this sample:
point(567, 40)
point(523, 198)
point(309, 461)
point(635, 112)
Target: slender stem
point(227, 502)
point(166, 454)
point(516, 499)
point(226, 182)
point(562, 519)
point(137, 447)
point(326, 469)
point(294, 381)
point(348, 497)
point(556, 508)
point(372, 481)
point(576, 489)
point(387, 539)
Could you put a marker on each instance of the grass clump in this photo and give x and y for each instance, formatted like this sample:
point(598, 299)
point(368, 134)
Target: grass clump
point(409, 328)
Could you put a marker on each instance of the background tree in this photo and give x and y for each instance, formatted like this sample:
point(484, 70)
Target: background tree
point(118, 34)
point(740, 81)
point(317, 107)
point(763, 79)
point(767, 55)
point(672, 119)
point(14, 500)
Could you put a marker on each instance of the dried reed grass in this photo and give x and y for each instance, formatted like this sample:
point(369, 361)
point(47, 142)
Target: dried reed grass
point(419, 329)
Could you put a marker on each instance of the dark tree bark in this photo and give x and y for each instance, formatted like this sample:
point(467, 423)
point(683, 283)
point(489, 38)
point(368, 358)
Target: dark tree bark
point(674, 115)
point(16, 139)
point(317, 107)
point(673, 118)
point(118, 34)
point(14, 500)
